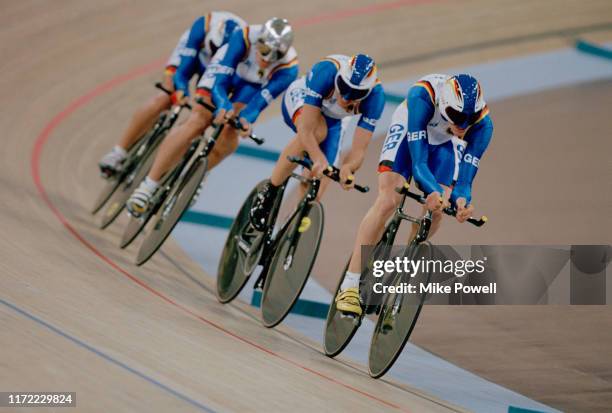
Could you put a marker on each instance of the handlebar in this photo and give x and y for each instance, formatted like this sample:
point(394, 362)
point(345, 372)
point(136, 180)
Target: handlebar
point(331, 172)
point(234, 123)
point(161, 87)
point(451, 211)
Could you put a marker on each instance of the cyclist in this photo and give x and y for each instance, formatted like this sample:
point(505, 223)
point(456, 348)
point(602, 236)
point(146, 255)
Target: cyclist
point(190, 57)
point(255, 67)
point(317, 107)
point(437, 136)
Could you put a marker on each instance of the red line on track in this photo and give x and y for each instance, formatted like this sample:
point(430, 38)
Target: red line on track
point(83, 100)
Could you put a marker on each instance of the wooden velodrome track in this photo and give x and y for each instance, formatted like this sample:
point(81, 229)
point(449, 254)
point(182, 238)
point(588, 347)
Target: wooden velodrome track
point(76, 315)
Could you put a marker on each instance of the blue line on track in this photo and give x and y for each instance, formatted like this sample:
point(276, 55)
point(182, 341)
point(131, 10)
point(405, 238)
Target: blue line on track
point(593, 49)
point(302, 307)
point(106, 357)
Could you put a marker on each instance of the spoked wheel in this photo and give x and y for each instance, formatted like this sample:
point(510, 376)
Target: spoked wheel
point(291, 264)
point(127, 186)
point(398, 317)
point(241, 253)
point(172, 209)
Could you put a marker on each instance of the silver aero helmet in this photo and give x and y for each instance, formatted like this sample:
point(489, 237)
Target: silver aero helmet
point(275, 39)
point(461, 101)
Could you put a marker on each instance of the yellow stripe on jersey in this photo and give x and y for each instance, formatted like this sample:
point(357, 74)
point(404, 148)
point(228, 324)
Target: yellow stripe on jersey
point(207, 23)
point(290, 63)
point(245, 36)
point(485, 112)
point(334, 61)
point(427, 86)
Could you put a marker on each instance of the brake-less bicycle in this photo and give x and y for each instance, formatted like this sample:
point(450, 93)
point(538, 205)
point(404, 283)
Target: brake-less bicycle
point(397, 313)
point(118, 188)
point(138, 162)
point(176, 192)
point(286, 256)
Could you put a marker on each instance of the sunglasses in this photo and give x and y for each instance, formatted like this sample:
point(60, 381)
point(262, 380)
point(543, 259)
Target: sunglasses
point(461, 119)
point(348, 92)
point(267, 53)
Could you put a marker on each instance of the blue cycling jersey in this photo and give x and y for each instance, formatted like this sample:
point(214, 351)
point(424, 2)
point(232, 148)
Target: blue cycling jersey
point(235, 65)
point(197, 52)
point(426, 127)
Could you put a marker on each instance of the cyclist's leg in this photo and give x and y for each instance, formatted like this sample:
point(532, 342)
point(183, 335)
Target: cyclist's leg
point(143, 119)
point(395, 168)
point(178, 140)
point(373, 223)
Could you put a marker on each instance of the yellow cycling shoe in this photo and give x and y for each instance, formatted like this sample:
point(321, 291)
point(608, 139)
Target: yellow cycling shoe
point(347, 301)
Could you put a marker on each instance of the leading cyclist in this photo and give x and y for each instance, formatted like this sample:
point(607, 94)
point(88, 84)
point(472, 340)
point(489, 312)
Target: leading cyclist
point(437, 136)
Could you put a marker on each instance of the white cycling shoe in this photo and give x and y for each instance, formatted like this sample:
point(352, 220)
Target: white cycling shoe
point(140, 200)
point(112, 162)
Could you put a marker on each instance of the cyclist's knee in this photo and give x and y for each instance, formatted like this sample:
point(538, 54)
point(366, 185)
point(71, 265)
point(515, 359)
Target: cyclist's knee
point(198, 120)
point(160, 102)
point(385, 204)
point(436, 216)
point(228, 142)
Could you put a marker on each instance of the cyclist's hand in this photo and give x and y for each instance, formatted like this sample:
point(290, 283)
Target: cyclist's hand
point(463, 212)
point(347, 179)
point(319, 164)
point(247, 128)
point(178, 97)
point(434, 201)
point(167, 82)
point(223, 116)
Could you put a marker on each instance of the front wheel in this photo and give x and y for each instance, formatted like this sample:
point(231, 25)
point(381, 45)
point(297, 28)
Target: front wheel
point(291, 264)
point(339, 328)
point(241, 252)
point(172, 209)
point(398, 316)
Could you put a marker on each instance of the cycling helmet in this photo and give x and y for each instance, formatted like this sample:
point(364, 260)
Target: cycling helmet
point(356, 78)
point(275, 39)
point(461, 101)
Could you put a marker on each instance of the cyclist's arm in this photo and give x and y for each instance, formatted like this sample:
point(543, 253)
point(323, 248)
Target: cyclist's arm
point(319, 84)
point(175, 58)
point(478, 139)
point(223, 67)
point(189, 56)
point(371, 110)
point(310, 117)
point(278, 83)
point(420, 111)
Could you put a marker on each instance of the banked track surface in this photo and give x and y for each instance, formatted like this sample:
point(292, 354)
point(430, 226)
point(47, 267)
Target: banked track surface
point(75, 312)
